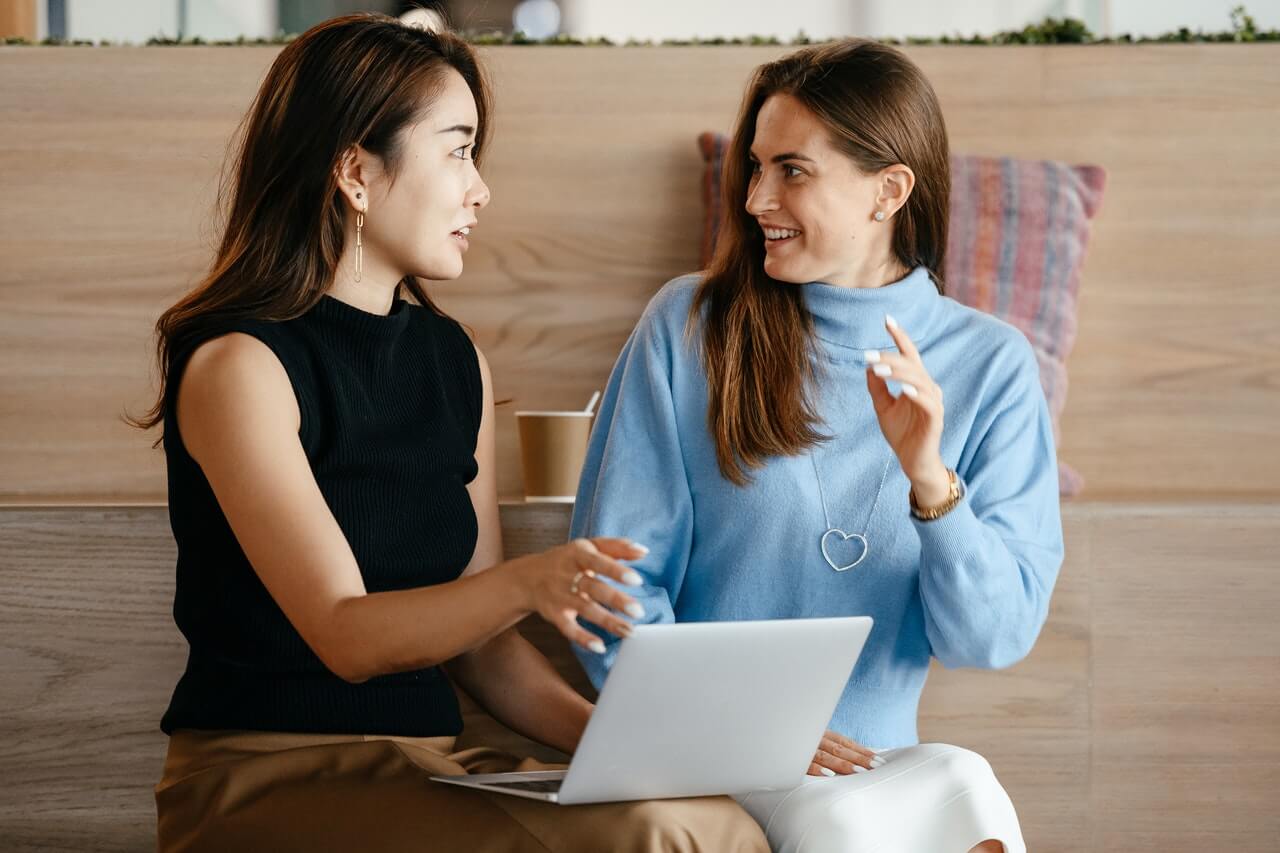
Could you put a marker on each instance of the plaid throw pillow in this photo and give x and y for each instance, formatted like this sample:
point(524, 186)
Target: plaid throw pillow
point(1018, 234)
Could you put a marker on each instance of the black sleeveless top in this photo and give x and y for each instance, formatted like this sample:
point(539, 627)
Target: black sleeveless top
point(391, 408)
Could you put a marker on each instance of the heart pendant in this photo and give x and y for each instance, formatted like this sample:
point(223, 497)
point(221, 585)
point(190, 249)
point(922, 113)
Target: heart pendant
point(844, 537)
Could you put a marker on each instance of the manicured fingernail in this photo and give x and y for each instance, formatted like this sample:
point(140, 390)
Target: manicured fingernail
point(882, 370)
point(910, 390)
point(632, 579)
point(890, 322)
point(827, 771)
point(634, 610)
point(637, 546)
point(872, 356)
point(858, 768)
point(877, 761)
point(596, 646)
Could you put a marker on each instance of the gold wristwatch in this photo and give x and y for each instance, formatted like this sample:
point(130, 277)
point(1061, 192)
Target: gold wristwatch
point(953, 498)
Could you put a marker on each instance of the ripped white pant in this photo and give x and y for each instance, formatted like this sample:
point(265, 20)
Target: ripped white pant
point(931, 798)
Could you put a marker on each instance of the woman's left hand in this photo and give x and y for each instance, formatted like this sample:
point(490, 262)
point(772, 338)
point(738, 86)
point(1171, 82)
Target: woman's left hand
point(912, 421)
point(839, 756)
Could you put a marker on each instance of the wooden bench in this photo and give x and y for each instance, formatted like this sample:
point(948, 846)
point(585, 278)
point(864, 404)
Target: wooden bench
point(1145, 716)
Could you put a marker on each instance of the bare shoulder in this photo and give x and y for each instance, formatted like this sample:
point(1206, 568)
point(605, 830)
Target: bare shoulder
point(234, 383)
point(485, 373)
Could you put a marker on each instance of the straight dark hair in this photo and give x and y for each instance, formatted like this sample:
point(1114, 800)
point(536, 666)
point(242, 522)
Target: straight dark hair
point(353, 80)
point(757, 334)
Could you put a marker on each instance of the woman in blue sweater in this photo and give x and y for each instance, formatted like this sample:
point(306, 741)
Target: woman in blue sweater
point(775, 430)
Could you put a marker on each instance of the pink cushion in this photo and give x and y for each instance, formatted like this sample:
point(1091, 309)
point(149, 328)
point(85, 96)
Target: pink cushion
point(1018, 234)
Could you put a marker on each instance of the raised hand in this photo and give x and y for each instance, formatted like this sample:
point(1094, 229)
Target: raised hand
point(912, 421)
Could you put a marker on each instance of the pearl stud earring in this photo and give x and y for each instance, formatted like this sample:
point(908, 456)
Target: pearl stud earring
point(879, 216)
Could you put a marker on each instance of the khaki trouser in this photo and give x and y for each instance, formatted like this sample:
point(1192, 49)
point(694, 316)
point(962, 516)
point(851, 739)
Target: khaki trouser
point(242, 791)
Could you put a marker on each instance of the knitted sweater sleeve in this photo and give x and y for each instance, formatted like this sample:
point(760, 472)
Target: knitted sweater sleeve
point(634, 482)
point(988, 566)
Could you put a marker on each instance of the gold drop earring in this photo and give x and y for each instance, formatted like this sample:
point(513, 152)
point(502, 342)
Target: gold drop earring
point(359, 240)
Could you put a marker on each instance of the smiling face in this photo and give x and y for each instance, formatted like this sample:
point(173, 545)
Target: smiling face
point(814, 206)
point(418, 223)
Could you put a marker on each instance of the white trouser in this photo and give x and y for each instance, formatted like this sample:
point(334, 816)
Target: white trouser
point(931, 798)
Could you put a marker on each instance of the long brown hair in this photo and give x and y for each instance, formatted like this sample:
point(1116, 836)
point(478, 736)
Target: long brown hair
point(758, 336)
point(353, 80)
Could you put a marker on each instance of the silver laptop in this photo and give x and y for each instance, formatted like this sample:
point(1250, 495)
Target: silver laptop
point(703, 708)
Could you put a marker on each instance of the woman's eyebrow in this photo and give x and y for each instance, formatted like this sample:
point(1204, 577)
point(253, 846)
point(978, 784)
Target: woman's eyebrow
point(459, 128)
point(790, 155)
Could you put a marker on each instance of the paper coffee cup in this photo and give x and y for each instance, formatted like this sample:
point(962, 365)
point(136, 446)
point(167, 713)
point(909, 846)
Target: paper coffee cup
point(553, 446)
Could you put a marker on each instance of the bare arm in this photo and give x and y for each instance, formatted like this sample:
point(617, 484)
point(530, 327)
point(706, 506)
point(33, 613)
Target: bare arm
point(515, 682)
point(507, 676)
point(239, 420)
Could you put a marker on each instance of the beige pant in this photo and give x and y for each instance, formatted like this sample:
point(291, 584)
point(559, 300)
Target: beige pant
point(246, 791)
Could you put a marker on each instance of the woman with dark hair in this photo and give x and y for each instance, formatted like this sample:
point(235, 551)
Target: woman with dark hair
point(332, 492)
point(784, 409)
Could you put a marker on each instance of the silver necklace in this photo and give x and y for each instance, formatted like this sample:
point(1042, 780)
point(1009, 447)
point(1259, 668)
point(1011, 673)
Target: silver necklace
point(832, 530)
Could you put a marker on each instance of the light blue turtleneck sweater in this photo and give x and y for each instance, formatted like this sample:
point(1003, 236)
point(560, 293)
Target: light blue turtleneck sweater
point(971, 588)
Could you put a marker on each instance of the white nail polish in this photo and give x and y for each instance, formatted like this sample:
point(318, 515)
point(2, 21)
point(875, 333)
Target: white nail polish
point(827, 771)
point(641, 548)
point(882, 370)
point(632, 579)
point(877, 761)
point(596, 646)
point(634, 610)
point(858, 768)
point(872, 356)
point(910, 390)
point(890, 322)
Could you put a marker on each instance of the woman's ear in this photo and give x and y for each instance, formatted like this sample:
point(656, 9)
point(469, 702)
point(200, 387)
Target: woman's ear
point(353, 171)
point(896, 183)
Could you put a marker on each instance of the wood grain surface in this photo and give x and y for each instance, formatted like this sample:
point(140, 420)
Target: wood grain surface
point(110, 158)
point(1146, 718)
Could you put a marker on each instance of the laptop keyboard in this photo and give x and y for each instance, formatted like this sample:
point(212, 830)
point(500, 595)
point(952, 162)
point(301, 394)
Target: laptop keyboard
point(543, 786)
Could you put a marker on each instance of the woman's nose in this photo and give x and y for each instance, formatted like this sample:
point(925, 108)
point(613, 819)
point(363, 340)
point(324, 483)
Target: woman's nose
point(761, 198)
point(479, 194)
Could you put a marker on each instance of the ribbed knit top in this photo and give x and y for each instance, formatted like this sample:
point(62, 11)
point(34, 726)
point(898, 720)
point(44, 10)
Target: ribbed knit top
point(390, 409)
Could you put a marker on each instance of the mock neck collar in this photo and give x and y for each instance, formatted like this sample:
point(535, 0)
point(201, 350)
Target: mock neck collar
point(361, 323)
point(849, 320)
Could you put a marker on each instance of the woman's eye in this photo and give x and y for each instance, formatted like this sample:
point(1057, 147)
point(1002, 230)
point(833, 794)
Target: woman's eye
point(755, 167)
point(791, 171)
point(461, 153)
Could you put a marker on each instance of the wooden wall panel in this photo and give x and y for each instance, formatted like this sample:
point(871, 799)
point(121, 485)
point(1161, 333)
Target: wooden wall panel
point(1032, 721)
point(1186, 674)
point(110, 156)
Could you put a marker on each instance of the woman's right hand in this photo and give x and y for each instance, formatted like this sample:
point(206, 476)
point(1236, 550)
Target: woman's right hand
point(551, 578)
